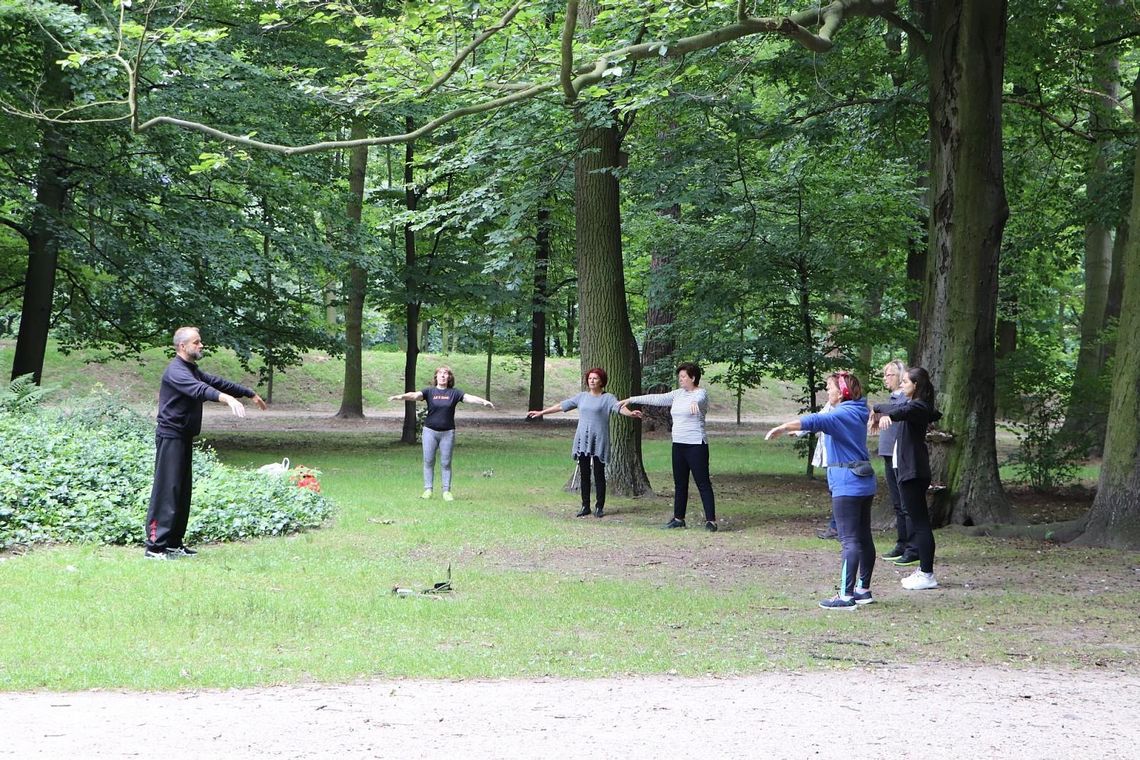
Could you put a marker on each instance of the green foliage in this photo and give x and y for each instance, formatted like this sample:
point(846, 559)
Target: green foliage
point(1036, 400)
point(84, 476)
point(21, 395)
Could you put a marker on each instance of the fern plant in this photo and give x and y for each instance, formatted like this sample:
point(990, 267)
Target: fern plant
point(22, 394)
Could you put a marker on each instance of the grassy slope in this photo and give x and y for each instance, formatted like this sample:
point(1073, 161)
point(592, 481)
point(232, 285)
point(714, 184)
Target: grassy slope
point(316, 384)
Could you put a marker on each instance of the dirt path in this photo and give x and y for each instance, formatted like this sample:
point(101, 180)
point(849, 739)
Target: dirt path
point(897, 712)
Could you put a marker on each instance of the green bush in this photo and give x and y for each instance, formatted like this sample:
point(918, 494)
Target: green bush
point(85, 476)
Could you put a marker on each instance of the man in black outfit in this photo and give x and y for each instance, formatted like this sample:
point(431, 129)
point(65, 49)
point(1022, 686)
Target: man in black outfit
point(184, 388)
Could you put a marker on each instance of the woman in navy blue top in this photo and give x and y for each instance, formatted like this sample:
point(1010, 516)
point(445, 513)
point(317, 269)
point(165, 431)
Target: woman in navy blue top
point(851, 481)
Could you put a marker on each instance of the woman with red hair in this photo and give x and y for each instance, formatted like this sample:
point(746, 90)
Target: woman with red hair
point(592, 439)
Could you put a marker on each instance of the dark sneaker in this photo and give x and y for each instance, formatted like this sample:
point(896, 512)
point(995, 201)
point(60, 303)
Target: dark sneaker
point(600, 512)
point(862, 596)
point(827, 533)
point(907, 559)
point(895, 553)
point(675, 523)
point(183, 551)
point(839, 603)
point(710, 526)
point(583, 512)
point(161, 555)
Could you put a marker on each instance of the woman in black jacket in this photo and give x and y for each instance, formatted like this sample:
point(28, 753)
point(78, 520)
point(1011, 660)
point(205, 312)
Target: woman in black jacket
point(912, 466)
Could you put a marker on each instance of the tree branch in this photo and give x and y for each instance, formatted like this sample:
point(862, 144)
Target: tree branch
point(567, 47)
point(1041, 109)
point(24, 231)
point(829, 18)
point(462, 55)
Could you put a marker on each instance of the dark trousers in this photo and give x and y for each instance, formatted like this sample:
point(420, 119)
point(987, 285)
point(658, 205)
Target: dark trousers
point(903, 529)
point(599, 467)
point(692, 458)
point(914, 499)
point(169, 509)
point(853, 521)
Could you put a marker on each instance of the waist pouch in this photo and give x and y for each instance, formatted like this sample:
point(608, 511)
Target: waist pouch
point(862, 469)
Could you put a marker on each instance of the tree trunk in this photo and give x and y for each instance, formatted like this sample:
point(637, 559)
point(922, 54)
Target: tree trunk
point(412, 304)
point(1086, 416)
point(659, 316)
point(1114, 519)
point(606, 337)
point(43, 240)
point(539, 301)
point(352, 397)
point(967, 221)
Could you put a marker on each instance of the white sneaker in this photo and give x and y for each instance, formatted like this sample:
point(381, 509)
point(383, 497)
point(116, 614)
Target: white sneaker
point(447, 496)
point(919, 581)
point(426, 494)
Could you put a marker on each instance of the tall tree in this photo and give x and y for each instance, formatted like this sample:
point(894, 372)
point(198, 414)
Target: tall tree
point(1114, 519)
point(606, 336)
point(356, 282)
point(966, 61)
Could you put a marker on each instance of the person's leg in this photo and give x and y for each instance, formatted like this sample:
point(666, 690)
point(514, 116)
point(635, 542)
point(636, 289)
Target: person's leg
point(914, 497)
point(680, 481)
point(902, 523)
point(186, 488)
point(866, 541)
point(600, 485)
point(446, 446)
point(848, 512)
point(431, 443)
point(584, 482)
point(698, 460)
point(165, 492)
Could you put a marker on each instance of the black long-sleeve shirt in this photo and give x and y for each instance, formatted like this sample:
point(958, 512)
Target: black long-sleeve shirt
point(184, 387)
point(912, 458)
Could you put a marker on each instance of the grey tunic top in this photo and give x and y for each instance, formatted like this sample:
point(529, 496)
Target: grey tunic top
point(593, 434)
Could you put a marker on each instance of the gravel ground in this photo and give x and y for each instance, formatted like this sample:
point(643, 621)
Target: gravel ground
point(924, 712)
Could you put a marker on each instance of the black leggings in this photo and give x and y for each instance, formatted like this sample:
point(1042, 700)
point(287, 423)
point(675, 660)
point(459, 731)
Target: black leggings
point(599, 479)
point(914, 502)
point(694, 458)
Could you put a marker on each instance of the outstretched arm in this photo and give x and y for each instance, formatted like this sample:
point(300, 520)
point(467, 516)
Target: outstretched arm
point(471, 398)
point(539, 412)
point(409, 396)
point(789, 427)
point(626, 411)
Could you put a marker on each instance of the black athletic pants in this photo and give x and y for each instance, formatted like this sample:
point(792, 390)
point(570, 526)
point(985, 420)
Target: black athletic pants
point(692, 458)
point(599, 479)
point(904, 531)
point(914, 501)
point(169, 509)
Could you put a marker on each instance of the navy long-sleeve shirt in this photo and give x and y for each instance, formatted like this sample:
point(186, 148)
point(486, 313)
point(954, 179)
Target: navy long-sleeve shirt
point(184, 387)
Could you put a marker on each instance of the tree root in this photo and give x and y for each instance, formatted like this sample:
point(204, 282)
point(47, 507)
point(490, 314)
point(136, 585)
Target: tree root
point(1057, 532)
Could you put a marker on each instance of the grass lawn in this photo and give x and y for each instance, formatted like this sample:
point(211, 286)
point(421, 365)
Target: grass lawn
point(538, 592)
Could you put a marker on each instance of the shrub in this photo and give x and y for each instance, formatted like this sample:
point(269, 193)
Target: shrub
point(85, 476)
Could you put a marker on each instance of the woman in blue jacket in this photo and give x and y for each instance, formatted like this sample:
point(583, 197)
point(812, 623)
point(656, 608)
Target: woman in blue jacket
point(851, 481)
point(912, 467)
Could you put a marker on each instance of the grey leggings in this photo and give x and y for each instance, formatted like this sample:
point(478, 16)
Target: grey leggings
point(444, 440)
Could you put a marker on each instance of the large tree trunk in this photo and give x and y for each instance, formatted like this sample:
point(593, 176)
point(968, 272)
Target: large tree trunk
point(352, 397)
point(1114, 519)
point(540, 300)
point(606, 338)
point(1086, 417)
point(968, 218)
point(412, 304)
point(43, 238)
point(659, 318)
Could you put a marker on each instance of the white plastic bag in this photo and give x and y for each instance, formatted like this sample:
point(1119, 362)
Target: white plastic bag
point(276, 468)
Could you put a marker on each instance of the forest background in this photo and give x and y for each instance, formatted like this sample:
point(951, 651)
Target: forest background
point(778, 189)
